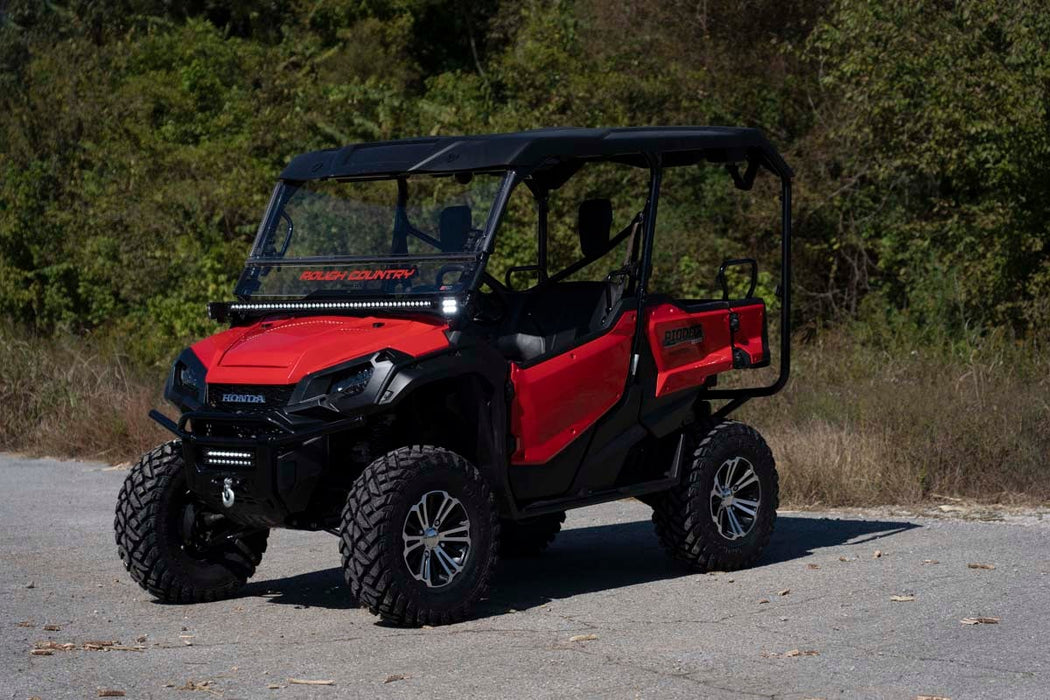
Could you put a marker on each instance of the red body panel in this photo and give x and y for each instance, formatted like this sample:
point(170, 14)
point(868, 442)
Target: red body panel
point(687, 363)
point(557, 399)
point(284, 351)
point(686, 356)
point(750, 336)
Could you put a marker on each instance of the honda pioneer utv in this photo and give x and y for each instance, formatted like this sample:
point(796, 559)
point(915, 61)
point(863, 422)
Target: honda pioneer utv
point(440, 345)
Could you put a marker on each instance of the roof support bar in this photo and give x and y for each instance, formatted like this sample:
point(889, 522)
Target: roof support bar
point(785, 312)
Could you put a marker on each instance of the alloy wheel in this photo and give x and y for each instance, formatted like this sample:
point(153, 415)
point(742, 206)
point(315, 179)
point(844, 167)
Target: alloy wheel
point(735, 498)
point(436, 538)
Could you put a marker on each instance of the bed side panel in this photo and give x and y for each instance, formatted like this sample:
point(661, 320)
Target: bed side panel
point(688, 345)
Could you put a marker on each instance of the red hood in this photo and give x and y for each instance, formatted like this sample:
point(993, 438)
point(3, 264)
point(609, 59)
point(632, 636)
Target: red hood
point(286, 350)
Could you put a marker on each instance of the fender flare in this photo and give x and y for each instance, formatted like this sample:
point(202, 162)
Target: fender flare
point(492, 372)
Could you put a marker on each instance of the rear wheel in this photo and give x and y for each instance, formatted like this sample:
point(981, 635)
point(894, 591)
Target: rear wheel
point(722, 513)
point(176, 549)
point(419, 536)
point(530, 536)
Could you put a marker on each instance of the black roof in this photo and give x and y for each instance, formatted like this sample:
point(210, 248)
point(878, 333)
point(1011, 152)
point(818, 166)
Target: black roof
point(527, 150)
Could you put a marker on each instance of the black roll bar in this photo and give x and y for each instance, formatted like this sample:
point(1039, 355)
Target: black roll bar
point(738, 396)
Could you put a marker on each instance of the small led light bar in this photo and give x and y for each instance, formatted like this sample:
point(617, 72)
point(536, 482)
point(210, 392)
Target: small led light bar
point(222, 458)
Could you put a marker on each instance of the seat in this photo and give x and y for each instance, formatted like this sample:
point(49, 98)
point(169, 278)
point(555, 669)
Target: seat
point(594, 219)
point(454, 228)
point(553, 317)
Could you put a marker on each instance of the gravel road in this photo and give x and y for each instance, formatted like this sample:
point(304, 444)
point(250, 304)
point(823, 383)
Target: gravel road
point(816, 618)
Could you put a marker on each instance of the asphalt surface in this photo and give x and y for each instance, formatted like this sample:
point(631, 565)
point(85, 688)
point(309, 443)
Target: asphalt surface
point(814, 619)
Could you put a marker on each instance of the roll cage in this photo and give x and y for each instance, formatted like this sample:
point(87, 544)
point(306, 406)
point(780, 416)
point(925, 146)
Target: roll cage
point(543, 160)
point(541, 182)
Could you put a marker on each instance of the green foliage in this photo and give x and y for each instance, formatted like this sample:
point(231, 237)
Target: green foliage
point(941, 127)
point(140, 140)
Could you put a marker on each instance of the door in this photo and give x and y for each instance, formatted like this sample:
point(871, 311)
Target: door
point(558, 399)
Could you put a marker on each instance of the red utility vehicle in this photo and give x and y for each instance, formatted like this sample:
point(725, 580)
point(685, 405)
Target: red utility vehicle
point(379, 382)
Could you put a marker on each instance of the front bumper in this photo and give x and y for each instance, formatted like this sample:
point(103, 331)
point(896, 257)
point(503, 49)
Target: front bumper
point(269, 466)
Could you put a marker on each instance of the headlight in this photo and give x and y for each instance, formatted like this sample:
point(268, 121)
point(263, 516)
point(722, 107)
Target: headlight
point(186, 384)
point(352, 384)
point(335, 385)
point(187, 380)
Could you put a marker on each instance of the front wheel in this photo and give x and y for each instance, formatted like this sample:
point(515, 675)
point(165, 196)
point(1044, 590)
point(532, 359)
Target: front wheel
point(173, 546)
point(721, 515)
point(419, 536)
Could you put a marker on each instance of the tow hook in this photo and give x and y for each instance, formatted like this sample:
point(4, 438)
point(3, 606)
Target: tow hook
point(227, 493)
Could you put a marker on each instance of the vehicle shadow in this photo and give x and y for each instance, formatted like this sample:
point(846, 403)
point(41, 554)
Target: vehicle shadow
point(606, 557)
point(590, 559)
point(325, 588)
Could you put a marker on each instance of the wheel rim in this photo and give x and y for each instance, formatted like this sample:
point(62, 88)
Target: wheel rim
point(735, 498)
point(436, 538)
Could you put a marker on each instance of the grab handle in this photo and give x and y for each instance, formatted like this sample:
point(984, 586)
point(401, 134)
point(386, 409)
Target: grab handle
point(726, 264)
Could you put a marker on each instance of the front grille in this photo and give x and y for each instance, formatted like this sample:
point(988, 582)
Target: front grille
point(246, 430)
point(249, 398)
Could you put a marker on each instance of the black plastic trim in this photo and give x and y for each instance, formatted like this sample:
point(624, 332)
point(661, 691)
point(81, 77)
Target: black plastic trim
point(172, 387)
point(613, 494)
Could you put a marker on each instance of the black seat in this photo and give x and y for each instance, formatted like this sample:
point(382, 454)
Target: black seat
point(594, 219)
point(553, 317)
point(454, 228)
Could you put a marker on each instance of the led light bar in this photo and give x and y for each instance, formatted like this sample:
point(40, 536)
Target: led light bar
point(230, 462)
point(321, 305)
point(226, 458)
point(449, 306)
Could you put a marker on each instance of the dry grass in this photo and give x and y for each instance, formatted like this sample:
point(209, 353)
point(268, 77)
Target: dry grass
point(864, 426)
point(860, 423)
point(65, 398)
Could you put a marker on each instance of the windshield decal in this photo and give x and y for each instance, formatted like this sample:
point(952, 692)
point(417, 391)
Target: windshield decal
point(356, 275)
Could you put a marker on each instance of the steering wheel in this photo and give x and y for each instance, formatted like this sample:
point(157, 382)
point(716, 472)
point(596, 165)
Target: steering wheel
point(470, 240)
point(439, 279)
point(499, 294)
point(445, 269)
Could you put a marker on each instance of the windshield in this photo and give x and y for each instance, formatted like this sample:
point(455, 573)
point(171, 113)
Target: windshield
point(409, 235)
